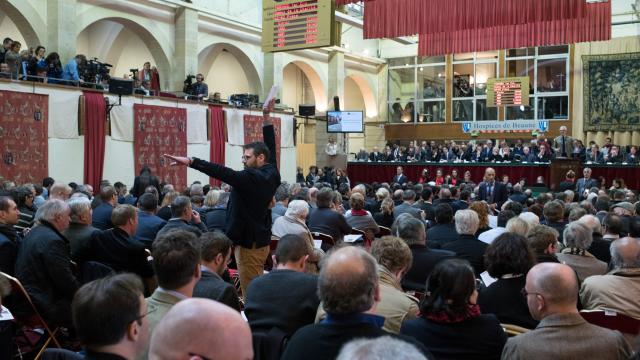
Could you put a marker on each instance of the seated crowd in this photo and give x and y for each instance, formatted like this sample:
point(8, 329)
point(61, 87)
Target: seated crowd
point(440, 271)
point(537, 150)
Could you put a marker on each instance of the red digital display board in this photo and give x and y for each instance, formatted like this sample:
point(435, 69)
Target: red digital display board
point(291, 25)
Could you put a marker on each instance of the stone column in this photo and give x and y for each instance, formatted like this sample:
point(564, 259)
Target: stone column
point(273, 74)
point(61, 28)
point(186, 51)
point(336, 88)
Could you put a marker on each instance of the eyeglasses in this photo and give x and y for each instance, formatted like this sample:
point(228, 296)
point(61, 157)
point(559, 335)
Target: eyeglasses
point(525, 293)
point(145, 314)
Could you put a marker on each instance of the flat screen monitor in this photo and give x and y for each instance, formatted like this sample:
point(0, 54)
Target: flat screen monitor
point(345, 122)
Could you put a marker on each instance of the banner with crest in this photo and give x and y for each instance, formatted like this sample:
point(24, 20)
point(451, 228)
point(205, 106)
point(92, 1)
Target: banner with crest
point(24, 136)
point(160, 130)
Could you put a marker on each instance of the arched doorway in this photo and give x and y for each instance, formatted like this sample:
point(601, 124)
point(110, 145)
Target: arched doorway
point(228, 70)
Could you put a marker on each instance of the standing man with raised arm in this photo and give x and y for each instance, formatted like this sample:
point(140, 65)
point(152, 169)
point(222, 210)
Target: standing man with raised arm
point(249, 218)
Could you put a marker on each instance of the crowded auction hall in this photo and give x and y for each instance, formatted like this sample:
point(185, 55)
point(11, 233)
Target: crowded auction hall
point(319, 179)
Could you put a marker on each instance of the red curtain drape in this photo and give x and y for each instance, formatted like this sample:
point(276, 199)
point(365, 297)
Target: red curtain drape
point(94, 137)
point(216, 150)
point(394, 18)
point(594, 26)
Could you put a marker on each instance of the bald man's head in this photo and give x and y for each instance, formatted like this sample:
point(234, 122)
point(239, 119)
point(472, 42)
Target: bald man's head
point(625, 253)
point(551, 288)
point(348, 281)
point(204, 328)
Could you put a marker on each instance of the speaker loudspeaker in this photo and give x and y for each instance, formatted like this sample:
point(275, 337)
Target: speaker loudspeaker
point(306, 110)
point(120, 86)
point(336, 103)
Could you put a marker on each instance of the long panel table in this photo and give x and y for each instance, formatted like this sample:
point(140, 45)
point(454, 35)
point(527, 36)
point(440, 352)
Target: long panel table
point(370, 172)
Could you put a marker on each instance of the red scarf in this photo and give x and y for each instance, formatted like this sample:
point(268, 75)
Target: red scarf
point(444, 317)
point(361, 212)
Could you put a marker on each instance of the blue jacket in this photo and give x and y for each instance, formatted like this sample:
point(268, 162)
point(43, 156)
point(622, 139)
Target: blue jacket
point(148, 227)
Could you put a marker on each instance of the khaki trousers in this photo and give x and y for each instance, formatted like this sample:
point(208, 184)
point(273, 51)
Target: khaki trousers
point(250, 264)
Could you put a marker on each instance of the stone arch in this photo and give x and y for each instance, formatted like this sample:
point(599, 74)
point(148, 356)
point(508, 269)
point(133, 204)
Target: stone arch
point(148, 31)
point(208, 55)
point(319, 93)
point(371, 109)
point(26, 19)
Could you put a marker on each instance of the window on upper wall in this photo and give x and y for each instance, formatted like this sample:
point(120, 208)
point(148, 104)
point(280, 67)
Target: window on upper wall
point(547, 69)
point(416, 89)
point(470, 74)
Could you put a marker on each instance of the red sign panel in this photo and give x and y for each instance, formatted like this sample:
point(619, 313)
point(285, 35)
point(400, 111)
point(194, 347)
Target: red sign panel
point(253, 131)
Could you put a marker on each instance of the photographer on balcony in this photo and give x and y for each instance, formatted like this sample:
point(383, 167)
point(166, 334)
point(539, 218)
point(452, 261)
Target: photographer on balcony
point(71, 73)
point(199, 90)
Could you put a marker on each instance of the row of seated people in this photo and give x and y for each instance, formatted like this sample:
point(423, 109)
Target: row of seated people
point(459, 316)
point(539, 151)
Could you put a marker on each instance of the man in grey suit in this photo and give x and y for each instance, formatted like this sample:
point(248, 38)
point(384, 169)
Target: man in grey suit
point(585, 183)
point(409, 197)
point(563, 143)
point(552, 294)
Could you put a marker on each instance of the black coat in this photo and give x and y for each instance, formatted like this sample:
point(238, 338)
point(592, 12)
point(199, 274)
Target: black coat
point(504, 299)
point(215, 218)
point(424, 260)
point(249, 217)
point(44, 268)
point(441, 234)
point(141, 182)
point(9, 242)
point(179, 224)
point(285, 299)
point(116, 249)
point(323, 341)
point(329, 222)
point(481, 337)
point(468, 247)
point(211, 286)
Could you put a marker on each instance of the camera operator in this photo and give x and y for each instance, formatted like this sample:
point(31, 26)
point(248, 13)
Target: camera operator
point(71, 72)
point(198, 90)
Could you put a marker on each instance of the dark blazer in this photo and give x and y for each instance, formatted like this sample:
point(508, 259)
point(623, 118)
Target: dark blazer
point(598, 158)
point(400, 179)
point(9, 242)
point(582, 184)
point(211, 286)
point(424, 260)
point(249, 218)
point(44, 268)
point(179, 224)
point(148, 227)
point(324, 340)
point(480, 337)
point(284, 299)
point(216, 218)
point(116, 249)
point(102, 216)
point(383, 219)
point(79, 236)
point(164, 213)
point(499, 193)
point(441, 234)
point(600, 248)
point(405, 207)
point(468, 247)
point(376, 156)
point(141, 182)
point(504, 299)
point(329, 222)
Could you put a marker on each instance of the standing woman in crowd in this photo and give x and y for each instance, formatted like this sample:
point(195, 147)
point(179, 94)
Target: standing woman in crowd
point(299, 175)
point(146, 178)
point(451, 325)
point(13, 59)
point(54, 68)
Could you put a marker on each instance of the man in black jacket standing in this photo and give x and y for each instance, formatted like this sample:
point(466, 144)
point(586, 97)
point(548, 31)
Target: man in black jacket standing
point(249, 217)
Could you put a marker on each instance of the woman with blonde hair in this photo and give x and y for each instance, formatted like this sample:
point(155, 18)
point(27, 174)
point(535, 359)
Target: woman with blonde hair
point(165, 207)
point(385, 216)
